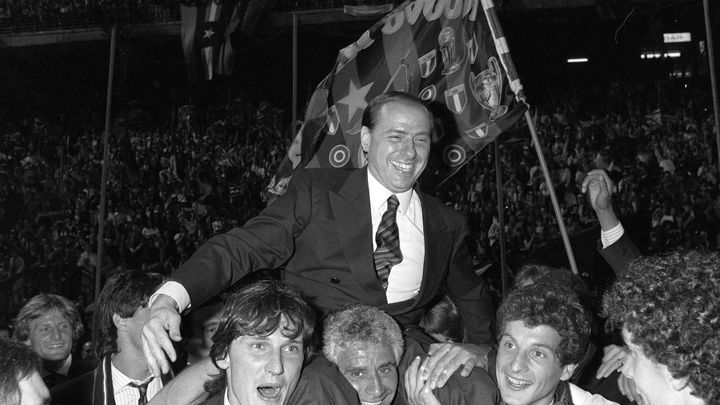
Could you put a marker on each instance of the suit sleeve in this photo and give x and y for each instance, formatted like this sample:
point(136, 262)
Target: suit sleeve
point(264, 242)
point(620, 254)
point(470, 292)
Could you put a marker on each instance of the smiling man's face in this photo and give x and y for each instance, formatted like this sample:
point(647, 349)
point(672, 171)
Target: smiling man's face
point(262, 369)
point(528, 368)
point(398, 145)
point(372, 370)
point(51, 336)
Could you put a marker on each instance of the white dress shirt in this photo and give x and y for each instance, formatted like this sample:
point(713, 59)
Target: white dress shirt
point(126, 394)
point(405, 277)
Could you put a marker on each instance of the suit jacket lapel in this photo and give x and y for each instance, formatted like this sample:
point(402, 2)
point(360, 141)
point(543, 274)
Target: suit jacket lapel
point(351, 209)
point(103, 393)
point(436, 243)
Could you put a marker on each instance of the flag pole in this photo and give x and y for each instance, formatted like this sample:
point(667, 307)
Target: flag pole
point(294, 71)
point(501, 217)
point(504, 53)
point(551, 189)
point(106, 158)
point(713, 80)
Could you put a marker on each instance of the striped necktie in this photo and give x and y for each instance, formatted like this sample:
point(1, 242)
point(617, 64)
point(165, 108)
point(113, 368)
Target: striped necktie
point(387, 238)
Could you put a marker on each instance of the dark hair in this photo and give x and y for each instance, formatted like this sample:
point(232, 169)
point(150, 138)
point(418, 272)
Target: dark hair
point(444, 319)
point(370, 115)
point(41, 305)
point(122, 294)
point(18, 362)
point(671, 306)
point(260, 309)
point(552, 305)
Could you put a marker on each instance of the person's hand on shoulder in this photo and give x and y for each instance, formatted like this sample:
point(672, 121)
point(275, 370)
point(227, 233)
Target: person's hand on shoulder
point(446, 358)
point(417, 388)
point(162, 324)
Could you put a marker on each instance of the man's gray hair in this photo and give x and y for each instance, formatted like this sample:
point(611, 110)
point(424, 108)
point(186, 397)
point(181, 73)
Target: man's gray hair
point(360, 324)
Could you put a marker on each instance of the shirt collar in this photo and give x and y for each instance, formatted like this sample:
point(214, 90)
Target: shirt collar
point(379, 195)
point(65, 366)
point(120, 380)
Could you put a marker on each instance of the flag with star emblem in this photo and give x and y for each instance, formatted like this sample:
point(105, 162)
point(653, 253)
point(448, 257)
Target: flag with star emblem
point(206, 36)
point(450, 53)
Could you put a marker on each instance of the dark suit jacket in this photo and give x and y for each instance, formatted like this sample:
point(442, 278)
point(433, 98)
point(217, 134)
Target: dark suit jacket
point(87, 389)
point(476, 389)
point(321, 231)
point(77, 368)
point(620, 254)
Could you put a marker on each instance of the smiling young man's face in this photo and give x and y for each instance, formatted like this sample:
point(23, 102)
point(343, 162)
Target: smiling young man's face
point(372, 370)
point(528, 368)
point(262, 369)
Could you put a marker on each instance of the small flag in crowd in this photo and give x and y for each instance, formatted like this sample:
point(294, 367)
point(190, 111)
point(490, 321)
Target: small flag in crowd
point(450, 53)
point(206, 36)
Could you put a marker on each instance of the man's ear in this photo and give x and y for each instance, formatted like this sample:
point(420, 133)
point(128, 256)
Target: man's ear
point(365, 138)
point(678, 384)
point(567, 372)
point(119, 322)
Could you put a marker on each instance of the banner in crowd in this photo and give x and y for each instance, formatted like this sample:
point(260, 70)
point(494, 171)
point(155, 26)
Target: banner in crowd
point(450, 53)
point(206, 37)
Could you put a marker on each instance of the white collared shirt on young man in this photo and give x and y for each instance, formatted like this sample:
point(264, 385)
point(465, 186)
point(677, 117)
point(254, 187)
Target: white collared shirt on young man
point(126, 394)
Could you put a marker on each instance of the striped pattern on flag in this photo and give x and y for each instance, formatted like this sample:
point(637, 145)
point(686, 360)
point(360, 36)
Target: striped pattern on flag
point(206, 35)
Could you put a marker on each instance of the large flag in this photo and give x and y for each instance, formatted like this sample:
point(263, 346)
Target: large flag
point(206, 36)
point(450, 53)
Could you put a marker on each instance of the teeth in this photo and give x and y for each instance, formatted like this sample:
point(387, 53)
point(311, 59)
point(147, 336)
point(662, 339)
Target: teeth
point(269, 392)
point(370, 403)
point(518, 383)
point(402, 166)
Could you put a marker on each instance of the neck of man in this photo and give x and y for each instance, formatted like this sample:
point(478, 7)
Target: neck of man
point(130, 362)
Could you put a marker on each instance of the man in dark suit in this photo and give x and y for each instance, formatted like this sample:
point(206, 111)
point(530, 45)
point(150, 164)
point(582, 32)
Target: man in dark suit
point(325, 231)
point(122, 376)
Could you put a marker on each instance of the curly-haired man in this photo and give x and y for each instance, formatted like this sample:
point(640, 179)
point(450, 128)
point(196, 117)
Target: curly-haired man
point(669, 307)
point(543, 331)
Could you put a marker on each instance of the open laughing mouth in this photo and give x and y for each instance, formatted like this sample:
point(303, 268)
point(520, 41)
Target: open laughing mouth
point(403, 167)
point(517, 384)
point(370, 403)
point(269, 392)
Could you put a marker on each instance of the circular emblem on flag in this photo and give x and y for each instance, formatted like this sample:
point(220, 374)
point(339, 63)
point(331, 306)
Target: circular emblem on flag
point(428, 94)
point(453, 155)
point(339, 156)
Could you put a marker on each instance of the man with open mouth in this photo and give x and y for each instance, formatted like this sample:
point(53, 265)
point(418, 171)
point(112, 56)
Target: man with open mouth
point(260, 345)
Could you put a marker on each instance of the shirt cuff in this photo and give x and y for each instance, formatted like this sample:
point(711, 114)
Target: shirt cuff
point(174, 290)
point(611, 235)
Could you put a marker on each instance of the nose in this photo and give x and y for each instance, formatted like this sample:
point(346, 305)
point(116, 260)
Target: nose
point(274, 365)
point(375, 386)
point(407, 148)
point(55, 333)
point(518, 362)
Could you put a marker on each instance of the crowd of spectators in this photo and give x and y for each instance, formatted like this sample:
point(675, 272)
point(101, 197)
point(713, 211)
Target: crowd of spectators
point(168, 191)
point(33, 15)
